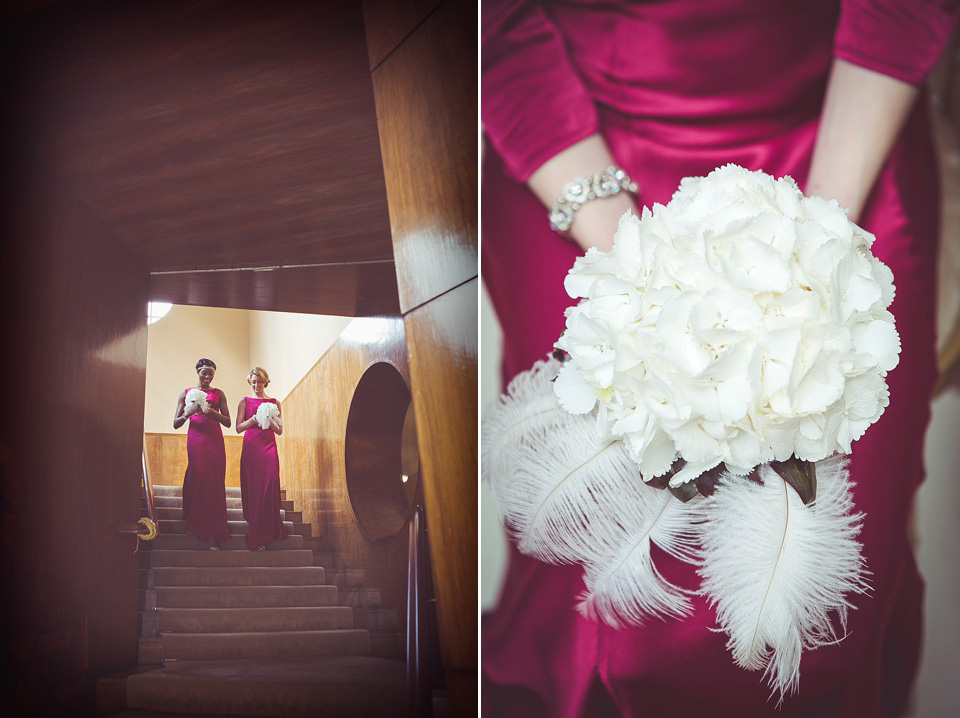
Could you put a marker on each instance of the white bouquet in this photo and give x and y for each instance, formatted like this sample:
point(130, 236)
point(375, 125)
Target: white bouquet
point(266, 412)
point(732, 343)
point(194, 398)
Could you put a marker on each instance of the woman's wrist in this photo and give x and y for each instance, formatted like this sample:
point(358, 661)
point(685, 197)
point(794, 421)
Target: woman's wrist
point(595, 220)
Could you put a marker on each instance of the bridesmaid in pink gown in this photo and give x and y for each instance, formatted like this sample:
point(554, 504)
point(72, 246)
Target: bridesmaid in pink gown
point(204, 493)
point(260, 466)
point(666, 90)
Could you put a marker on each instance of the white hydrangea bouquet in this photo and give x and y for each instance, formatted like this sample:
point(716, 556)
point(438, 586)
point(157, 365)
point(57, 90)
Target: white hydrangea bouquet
point(266, 413)
point(194, 398)
point(723, 357)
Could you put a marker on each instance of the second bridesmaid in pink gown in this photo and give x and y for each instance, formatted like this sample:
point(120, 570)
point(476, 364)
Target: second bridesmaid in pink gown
point(260, 466)
point(204, 494)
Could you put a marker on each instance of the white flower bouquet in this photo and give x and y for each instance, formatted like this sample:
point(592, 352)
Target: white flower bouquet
point(723, 357)
point(266, 413)
point(194, 398)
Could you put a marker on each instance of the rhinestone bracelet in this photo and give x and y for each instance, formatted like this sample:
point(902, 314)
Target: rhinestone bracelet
point(603, 184)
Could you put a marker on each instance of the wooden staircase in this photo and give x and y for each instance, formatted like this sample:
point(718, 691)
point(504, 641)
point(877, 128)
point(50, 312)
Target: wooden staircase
point(240, 632)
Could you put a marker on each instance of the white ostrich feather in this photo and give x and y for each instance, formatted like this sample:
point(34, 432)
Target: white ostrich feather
point(528, 402)
point(624, 587)
point(265, 412)
point(194, 398)
point(556, 481)
point(567, 494)
point(776, 570)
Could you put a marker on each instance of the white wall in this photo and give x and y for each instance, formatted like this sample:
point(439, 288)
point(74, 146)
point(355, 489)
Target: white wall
point(286, 345)
point(175, 342)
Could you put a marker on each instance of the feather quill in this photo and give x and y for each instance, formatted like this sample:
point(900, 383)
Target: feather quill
point(568, 494)
point(624, 587)
point(777, 570)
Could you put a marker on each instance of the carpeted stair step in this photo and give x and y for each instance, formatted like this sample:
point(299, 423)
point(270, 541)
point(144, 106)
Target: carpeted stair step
point(240, 527)
point(236, 576)
point(344, 578)
point(320, 687)
point(162, 558)
point(242, 597)
point(377, 619)
point(231, 620)
point(175, 513)
point(179, 542)
point(211, 646)
point(360, 597)
point(176, 502)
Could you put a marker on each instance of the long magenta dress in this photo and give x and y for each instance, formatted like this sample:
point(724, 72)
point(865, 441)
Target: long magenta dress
point(260, 481)
point(204, 492)
point(677, 88)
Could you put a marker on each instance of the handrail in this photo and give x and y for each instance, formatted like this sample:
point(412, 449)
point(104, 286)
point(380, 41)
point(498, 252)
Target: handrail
point(418, 668)
point(148, 485)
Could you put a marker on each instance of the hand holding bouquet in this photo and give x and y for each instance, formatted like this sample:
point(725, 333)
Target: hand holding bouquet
point(731, 345)
point(194, 402)
point(266, 413)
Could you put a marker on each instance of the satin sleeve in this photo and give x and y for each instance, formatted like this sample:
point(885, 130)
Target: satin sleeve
point(899, 38)
point(533, 102)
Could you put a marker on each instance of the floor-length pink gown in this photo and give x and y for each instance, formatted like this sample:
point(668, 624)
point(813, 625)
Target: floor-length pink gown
point(677, 88)
point(260, 481)
point(204, 492)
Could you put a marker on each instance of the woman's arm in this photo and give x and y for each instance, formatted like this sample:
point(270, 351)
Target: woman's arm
point(242, 416)
point(863, 112)
point(222, 413)
point(178, 418)
point(595, 223)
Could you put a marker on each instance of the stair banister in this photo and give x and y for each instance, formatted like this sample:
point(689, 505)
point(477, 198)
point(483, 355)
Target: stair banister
point(148, 485)
point(418, 673)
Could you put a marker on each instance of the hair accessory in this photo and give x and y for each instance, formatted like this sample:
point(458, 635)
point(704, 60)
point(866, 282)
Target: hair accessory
point(603, 184)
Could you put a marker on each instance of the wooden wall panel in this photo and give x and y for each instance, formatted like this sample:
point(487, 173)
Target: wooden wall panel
point(312, 451)
point(442, 337)
point(388, 22)
point(168, 457)
point(426, 94)
point(216, 134)
point(74, 338)
point(347, 290)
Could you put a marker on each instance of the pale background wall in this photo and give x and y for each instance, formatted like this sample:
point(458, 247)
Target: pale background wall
point(175, 342)
point(286, 345)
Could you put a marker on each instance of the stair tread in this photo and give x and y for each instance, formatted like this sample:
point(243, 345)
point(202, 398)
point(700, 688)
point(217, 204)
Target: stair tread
point(237, 542)
point(287, 686)
point(266, 634)
point(237, 528)
point(249, 644)
point(246, 596)
point(237, 576)
point(170, 558)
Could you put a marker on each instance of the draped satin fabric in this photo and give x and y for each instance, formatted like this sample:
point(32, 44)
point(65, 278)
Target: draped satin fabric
point(677, 88)
point(260, 481)
point(204, 492)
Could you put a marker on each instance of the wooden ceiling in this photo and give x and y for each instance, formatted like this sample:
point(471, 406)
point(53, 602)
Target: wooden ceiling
point(213, 138)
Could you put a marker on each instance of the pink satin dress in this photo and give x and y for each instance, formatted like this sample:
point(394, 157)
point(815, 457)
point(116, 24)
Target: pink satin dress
point(677, 88)
point(260, 481)
point(204, 492)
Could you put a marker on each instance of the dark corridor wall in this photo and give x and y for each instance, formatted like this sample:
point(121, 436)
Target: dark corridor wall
point(73, 356)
